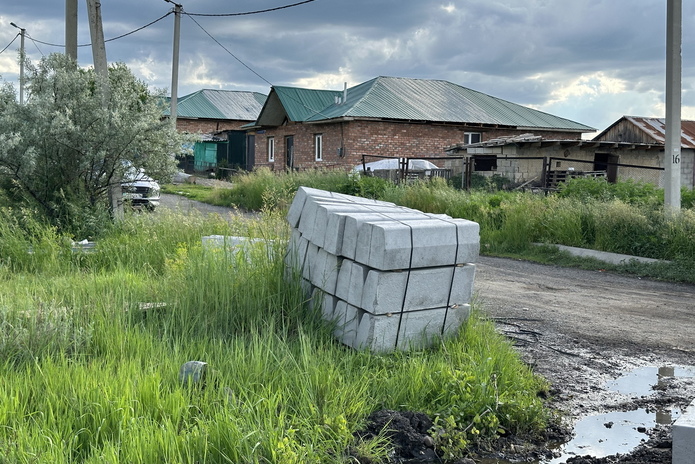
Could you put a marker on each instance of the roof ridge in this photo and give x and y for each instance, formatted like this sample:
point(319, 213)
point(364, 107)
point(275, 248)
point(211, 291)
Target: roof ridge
point(370, 84)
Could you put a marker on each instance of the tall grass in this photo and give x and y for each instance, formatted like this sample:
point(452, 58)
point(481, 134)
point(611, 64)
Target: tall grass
point(626, 217)
point(91, 354)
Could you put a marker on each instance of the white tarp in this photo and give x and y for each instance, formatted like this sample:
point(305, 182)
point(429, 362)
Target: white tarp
point(387, 164)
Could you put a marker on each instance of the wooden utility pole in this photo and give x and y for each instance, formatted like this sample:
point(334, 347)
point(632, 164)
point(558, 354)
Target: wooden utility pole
point(102, 71)
point(672, 153)
point(71, 29)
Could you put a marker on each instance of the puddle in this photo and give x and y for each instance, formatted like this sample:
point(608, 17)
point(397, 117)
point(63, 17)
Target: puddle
point(621, 431)
point(611, 433)
point(641, 381)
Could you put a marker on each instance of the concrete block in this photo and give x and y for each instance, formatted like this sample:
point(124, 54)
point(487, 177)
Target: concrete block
point(295, 211)
point(296, 251)
point(229, 241)
point(325, 209)
point(434, 241)
point(233, 245)
point(377, 333)
point(331, 220)
point(683, 434)
point(342, 286)
point(310, 261)
point(307, 221)
point(324, 304)
point(324, 270)
point(306, 195)
point(353, 223)
point(396, 291)
point(351, 278)
point(307, 288)
point(411, 330)
point(347, 320)
point(388, 245)
point(455, 318)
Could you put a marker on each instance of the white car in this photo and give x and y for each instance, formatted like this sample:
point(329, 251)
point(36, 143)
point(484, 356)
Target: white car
point(139, 189)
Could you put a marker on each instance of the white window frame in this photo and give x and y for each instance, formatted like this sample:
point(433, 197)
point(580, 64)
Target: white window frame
point(467, 136)
point(271, 149)
point(318, 147)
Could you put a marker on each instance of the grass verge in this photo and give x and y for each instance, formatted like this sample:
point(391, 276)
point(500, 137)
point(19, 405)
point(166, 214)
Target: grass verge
point(92, 346)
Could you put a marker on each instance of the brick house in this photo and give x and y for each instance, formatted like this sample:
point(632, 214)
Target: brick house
point(218, 116)
point(386, 116)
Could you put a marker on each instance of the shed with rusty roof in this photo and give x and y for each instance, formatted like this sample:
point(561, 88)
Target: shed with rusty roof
point(631, 148)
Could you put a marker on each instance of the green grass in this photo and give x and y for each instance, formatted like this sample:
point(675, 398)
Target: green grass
point(90, 374)
point(626, 217)
point(192, 191)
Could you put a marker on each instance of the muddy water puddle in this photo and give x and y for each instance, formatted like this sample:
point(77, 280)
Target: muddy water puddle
point(621, 432)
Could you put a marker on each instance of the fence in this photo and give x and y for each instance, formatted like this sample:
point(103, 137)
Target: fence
point(405, 169)
point(547, 172)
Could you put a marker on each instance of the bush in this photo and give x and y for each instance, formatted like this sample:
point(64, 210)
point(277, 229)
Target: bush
point(629, 191)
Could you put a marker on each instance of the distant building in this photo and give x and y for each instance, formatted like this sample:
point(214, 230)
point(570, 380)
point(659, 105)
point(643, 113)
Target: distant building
point(218, 116)
point(387, 116)
point(630, 148)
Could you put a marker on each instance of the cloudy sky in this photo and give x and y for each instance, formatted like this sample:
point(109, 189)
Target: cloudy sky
point(591, 61)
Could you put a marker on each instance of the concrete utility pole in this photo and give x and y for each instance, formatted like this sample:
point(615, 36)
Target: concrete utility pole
point(101, 67)
point(71, 29)
point(175, 63)
point(22, 59)
point(672, 154)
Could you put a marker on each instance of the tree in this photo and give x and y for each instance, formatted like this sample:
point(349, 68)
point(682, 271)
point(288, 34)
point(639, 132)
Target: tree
point(63, 149)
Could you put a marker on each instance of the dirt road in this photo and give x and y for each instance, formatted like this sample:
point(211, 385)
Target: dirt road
point(582, 330)
point(610, 310)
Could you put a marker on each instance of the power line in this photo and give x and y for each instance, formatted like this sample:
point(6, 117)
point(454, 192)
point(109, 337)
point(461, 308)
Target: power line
point(8, 45)
point(37, 47)
point(315, 111)
point(108, 40)
point(228, 51)
point(252, 12)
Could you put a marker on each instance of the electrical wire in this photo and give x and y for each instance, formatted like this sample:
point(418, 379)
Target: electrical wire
point(35, 45)
point(252, 12)
point(108, 40)
point(313, 110)
point(228, 51)
point(8, 45)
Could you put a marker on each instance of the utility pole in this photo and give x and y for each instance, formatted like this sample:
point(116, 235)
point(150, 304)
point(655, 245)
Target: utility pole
point(22, 59)
point(71, 29)
point(101, 68)
point(178, 8)
point(672, 152)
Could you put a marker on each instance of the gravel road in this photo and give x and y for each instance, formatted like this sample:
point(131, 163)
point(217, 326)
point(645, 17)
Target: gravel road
point(586, 330)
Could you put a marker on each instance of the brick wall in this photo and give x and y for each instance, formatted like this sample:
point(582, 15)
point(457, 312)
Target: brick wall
point(358, 138)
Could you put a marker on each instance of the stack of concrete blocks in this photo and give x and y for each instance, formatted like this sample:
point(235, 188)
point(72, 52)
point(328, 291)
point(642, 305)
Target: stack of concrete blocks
point(388, 277)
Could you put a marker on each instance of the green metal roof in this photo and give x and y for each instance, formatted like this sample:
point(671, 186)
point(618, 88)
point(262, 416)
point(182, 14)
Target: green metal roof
point(416, 100)
point(220, 104)
point(305, 104)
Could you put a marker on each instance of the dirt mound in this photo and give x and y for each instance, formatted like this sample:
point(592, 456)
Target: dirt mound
point(408, 433)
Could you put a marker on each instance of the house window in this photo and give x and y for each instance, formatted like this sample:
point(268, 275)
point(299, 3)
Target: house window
point(472, 137)
point(271, 149)
point(318, 147)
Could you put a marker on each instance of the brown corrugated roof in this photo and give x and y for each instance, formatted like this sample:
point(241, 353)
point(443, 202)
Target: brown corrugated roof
point(656, 129)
